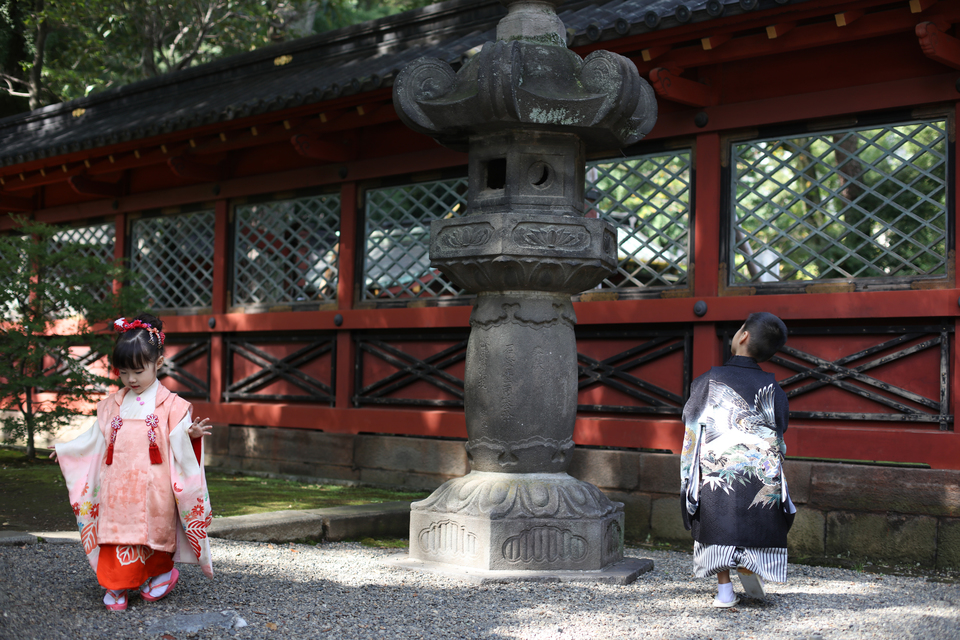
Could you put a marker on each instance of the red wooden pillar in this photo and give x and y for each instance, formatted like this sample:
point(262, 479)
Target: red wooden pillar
point(706, 259)
point(346, 285)
point(221, 235)
point(119, 243)
point(954, 400)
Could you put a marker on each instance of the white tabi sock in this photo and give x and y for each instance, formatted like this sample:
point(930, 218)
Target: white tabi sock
point(160, 579)
point(113, 597)
point(725, 592)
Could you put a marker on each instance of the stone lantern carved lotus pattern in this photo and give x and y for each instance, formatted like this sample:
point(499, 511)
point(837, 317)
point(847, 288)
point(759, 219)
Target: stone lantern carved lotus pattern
point(467, 235)
point(502, 496)
point(504, 251)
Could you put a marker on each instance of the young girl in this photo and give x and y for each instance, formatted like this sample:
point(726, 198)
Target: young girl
point(136, 480)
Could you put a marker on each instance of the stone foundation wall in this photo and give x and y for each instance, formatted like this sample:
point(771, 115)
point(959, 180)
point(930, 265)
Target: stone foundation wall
point(413, 463)
point(859, 512)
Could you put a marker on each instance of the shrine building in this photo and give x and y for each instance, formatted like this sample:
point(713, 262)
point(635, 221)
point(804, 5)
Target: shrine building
point(804, 162)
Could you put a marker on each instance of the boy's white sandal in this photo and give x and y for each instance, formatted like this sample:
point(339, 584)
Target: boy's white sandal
point(720, 604)
point(752, 583)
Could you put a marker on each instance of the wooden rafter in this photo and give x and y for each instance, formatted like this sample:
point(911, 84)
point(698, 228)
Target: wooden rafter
point(712, 42)
point(804, 36)
point(846, 18)
point(205, 141)
point(241, 138)
point(654, 52)
point(370, 108)
point(138, 158)
point(87, 187)
point(669, 85)
point(938, 46)
point(15, 203)
point(331, 115)
point(315, 147)
point(39, 179)
point(778, 30)
point(186, 167)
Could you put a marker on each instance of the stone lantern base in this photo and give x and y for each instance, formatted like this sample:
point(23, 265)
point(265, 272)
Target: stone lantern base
point(518, 522)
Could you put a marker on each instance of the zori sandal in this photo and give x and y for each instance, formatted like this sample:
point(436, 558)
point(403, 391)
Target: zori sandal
point(720, 604)
point(752, 583)
point(168, 587)
point(119, 600)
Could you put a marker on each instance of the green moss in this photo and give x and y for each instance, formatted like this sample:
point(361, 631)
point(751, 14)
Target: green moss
point(235, 495)
point(386, 543)
point(548, 39)
point(33, 495)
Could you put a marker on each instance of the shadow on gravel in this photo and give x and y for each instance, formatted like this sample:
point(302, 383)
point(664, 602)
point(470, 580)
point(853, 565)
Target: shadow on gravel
point(50, 592)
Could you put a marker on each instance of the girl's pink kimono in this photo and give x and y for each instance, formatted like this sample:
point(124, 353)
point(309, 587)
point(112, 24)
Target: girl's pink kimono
point(132, 507)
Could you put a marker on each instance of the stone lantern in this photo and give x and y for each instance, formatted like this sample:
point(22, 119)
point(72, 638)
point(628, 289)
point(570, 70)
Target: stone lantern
point(526, 109)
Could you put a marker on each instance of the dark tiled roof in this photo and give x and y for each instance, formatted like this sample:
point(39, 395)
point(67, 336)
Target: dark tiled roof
point(321, 67)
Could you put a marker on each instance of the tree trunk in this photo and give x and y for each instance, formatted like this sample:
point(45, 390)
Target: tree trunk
point(28, 419)
point(36, 78)
point(149, 38)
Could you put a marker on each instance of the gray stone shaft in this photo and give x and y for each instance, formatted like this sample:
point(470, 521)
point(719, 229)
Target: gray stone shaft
point(521, 383)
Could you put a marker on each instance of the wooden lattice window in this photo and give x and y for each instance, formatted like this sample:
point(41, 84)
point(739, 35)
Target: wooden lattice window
point(174, 255)
point(864, 203)
point(647, 199)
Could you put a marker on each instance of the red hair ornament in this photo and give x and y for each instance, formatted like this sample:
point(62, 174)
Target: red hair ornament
point(122, 326)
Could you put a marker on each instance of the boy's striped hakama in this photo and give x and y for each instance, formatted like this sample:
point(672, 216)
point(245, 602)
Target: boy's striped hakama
point(769, 563)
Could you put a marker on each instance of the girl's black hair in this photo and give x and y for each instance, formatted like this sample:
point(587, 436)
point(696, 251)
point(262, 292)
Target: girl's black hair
point(137, 347)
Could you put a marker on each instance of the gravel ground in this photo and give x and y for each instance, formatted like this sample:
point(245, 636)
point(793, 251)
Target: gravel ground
point(346, 591)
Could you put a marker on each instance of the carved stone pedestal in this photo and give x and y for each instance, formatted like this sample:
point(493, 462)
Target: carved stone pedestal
point(523, 521)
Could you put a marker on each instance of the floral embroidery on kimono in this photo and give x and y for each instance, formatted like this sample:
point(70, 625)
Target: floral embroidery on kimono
point(128, 554)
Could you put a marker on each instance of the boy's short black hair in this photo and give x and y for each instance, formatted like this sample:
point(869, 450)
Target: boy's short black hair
point(137, 347)
point(767, 335)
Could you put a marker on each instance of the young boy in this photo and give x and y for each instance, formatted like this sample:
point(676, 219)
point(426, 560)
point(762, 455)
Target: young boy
point(734, 495)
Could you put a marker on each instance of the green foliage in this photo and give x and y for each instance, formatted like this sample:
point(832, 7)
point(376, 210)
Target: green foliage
point(647, 199)
point(13, 50)
point(851, 204)
point(334, 14)
point(53, 294)
point(59, 50)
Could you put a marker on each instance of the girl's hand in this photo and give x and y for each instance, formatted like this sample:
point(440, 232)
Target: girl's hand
point(53, 455)
point(200, 428)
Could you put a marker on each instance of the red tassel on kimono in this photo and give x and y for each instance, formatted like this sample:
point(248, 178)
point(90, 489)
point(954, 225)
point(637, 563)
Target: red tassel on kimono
point(155, 457)
point(115, 426)
point(153, 422)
